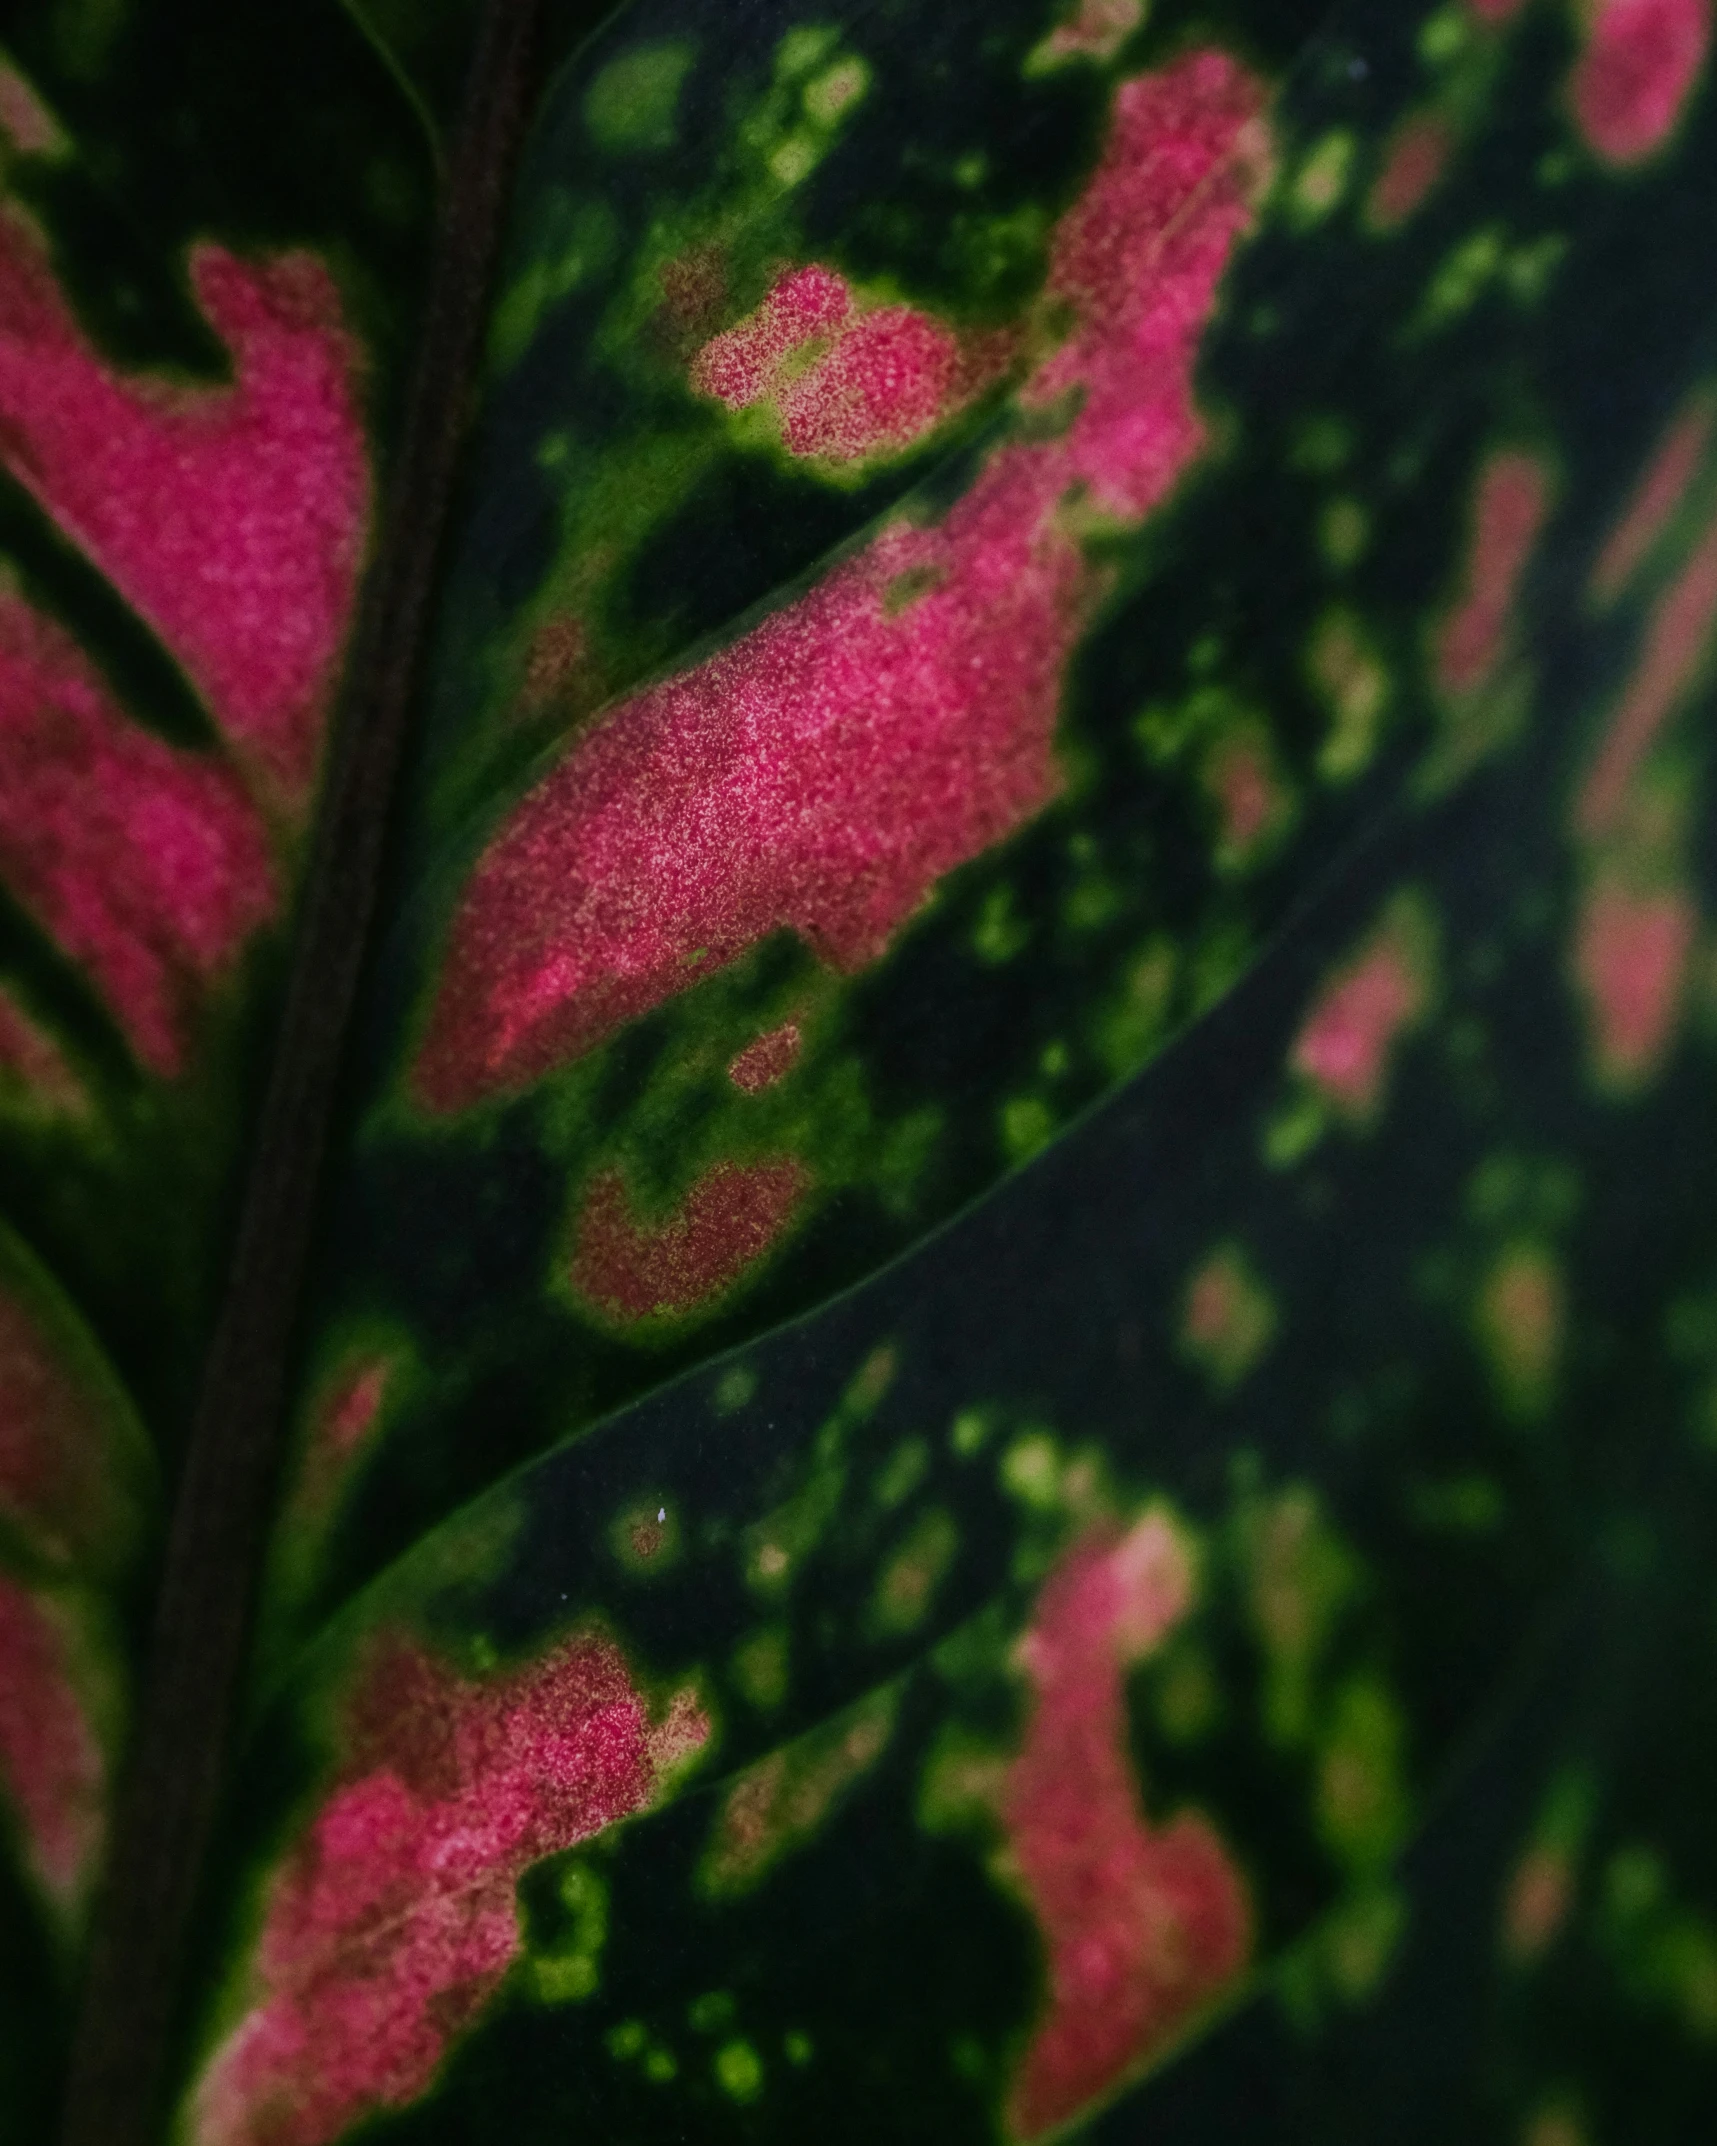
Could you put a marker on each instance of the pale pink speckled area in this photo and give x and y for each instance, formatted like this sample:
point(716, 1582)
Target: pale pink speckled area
point(821, 774)
point(731, 1216)
point(148, 865)
point(394, 1916)
point(1143, 1925)
point(1636, 72)
point(845, 383)
point(52, 1768)
point(233, 519)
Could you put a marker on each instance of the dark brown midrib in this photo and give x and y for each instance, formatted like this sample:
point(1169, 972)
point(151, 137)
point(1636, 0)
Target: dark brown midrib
point(171, 1793)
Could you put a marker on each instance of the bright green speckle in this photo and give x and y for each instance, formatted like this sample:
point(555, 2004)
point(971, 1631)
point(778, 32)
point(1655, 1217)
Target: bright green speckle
point(1027, 1124)
point(1443, 36)
point(660, 2066)
point(565, 1978)
point(739, 2071)
point(1294, 1131)
point(1344, 530)
point(1362, 1800)
point(793, 160)
point(829, 94)
point(1091, 902)
point(710, 2012)
point(902, 1472)
point(796, 2047)
point(1461, 279)
point(907, 1584)
point(734, 1388)
point(969, 1432)
point(627, 2039)
point(801, 48)
point(1529, 269)
point(1322, 178)
point(760, 1667)
point(1031, 1471)
point(632, 103)
point(998, 935)
point(1129, 1028)
point(1353, 683)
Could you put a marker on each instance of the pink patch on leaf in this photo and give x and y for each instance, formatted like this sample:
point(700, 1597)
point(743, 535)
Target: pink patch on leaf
point(29, 127)
point(233, 518)
point(51, 1761)
point(394, 1916)
point(1638, 67)
point(845, 384)
point(1249, 798)
point(726, 1223)
point(58, 1487)
point(148, 864)
point(1510, 503)
point(1349, 1036)
point(1631, 954)
point(346, 1416)
point(1417, 157)
point(822, 774)
point(1673, 651)
point(1660, 491)
point(1093, 30)
point(33, 1063)
point(769, 1059)
point(1144, 1925)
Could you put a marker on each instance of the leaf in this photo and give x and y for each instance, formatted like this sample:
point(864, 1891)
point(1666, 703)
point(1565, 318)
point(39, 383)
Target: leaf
point(1003, 1403)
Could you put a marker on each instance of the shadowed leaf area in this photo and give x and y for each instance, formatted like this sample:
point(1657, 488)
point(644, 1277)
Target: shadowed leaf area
point(1003, 1418)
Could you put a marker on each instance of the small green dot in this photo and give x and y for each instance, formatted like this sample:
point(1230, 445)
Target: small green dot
point(739, 2070)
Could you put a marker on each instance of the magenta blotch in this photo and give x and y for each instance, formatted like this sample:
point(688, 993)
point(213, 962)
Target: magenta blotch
point(1510, 503)
point(394, 1917)
point(35, 1064)
point(147, 864)
point(1350, 1035)
point(729, 1219)
point(51, 1760)
point(345, 1418)
point(1416, 159)
point(821, 774)
point(58, 1485)
point(232, 518)
point(1640, 61)
point(1631, 956)
point(1144, 1925)
point(1654, 501)
point(1673, 652)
